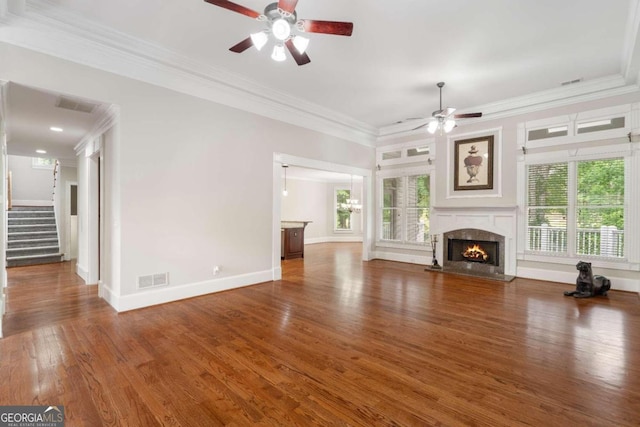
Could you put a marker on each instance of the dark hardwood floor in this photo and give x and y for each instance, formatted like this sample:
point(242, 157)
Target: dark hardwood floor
point(336, 342)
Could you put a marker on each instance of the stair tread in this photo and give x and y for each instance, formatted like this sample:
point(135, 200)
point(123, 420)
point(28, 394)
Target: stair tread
point(33, 248)
point(13, 258)
point(50, 239)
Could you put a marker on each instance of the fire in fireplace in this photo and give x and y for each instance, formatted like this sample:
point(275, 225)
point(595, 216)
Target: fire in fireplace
point(475, 253)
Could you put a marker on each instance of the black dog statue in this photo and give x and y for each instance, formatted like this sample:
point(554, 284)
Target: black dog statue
point(588, 285)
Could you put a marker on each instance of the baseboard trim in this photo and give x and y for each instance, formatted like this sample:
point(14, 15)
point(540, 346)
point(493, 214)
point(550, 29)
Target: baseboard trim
point(167, 294)
point(333, 239)
point(82, 272)
point(408, 258)
point(617, 283)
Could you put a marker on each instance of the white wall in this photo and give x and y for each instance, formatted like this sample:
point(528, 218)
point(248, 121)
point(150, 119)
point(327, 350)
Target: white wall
point(174, 207)
point(30, 186)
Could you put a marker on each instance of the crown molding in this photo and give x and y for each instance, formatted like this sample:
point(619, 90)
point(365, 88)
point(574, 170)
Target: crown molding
point(107, 119)
point(47, 28)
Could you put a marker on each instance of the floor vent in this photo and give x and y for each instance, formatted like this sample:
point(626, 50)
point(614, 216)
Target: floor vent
point(153, 280)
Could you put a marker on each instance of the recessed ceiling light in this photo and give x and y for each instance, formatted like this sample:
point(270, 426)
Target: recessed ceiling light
point(56, 129)
point(41, 151)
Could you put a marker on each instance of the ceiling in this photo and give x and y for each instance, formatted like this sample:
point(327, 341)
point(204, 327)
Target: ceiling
point(492, 54)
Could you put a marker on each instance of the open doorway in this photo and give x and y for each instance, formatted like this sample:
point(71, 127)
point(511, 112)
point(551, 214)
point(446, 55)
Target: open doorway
point(43, 124)
point(315, 190)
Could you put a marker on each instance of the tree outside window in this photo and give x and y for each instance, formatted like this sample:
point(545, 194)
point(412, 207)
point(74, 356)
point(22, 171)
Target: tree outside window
point(343, 216)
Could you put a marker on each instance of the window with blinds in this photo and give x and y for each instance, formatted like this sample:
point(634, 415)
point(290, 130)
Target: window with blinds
point(418, 209)
point(600, 208)
point(595, 208)
point(405, 209)
point(547, 206)
point(392, 195)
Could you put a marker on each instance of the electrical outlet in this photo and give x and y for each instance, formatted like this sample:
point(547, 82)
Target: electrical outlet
point(216, 270)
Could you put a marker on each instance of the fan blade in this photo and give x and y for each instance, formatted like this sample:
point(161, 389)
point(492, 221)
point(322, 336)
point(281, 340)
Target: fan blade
point(234, 7)
point(327, 27)
point(300, 58)
point(467, 115)
point(288, 5)
point(421, 126)
point(449, 111)
point(242, 46)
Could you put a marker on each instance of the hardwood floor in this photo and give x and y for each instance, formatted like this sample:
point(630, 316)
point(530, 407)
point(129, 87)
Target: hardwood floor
point(337, 342)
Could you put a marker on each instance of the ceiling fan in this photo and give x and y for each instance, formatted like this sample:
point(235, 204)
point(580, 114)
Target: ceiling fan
point(444, 119)
point(281, 20)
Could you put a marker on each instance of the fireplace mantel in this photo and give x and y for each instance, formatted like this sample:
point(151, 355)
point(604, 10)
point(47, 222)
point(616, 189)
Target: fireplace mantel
point(501, 220)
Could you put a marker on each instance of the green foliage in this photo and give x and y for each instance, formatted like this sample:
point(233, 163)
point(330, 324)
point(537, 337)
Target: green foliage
point(601, 193)
point(343, 216)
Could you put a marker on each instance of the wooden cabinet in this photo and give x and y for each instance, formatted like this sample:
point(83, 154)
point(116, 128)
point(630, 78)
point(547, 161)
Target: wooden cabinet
point(292, 239)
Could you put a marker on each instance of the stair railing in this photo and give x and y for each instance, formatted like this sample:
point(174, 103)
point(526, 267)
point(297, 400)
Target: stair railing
point(55, 178)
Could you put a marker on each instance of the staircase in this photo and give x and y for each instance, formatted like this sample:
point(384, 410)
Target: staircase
point(32, 236)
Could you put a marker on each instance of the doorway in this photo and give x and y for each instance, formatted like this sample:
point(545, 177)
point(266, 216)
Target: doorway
point(366, 215)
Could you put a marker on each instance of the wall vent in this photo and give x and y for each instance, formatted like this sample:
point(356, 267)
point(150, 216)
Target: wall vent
point(153, 280)
point(570, 82)
point(75, 105)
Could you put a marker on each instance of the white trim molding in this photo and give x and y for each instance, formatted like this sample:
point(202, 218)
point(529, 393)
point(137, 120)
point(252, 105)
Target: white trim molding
point(166, 294)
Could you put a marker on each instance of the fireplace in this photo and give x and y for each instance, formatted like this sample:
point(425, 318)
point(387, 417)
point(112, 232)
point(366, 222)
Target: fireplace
point(481, 251)
point(475, 252)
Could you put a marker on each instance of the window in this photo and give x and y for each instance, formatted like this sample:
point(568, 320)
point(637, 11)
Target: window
point(42, 163)
point(405, 209)
point(343, 216)
point(600, 208)
point(587, 220)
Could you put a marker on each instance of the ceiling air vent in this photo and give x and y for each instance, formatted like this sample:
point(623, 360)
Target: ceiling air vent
point(75, 105)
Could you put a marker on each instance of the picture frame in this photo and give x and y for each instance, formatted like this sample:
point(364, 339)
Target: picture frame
point(473, 164)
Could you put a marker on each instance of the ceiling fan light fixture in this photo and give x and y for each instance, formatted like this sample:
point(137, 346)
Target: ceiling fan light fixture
point(281, 29)
point(259, 39)
point(449, 124)
point(301, 43)
point(278, 53)
point(433, 126)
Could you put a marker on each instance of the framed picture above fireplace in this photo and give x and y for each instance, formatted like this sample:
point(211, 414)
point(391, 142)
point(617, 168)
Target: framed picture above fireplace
point(473, 164)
